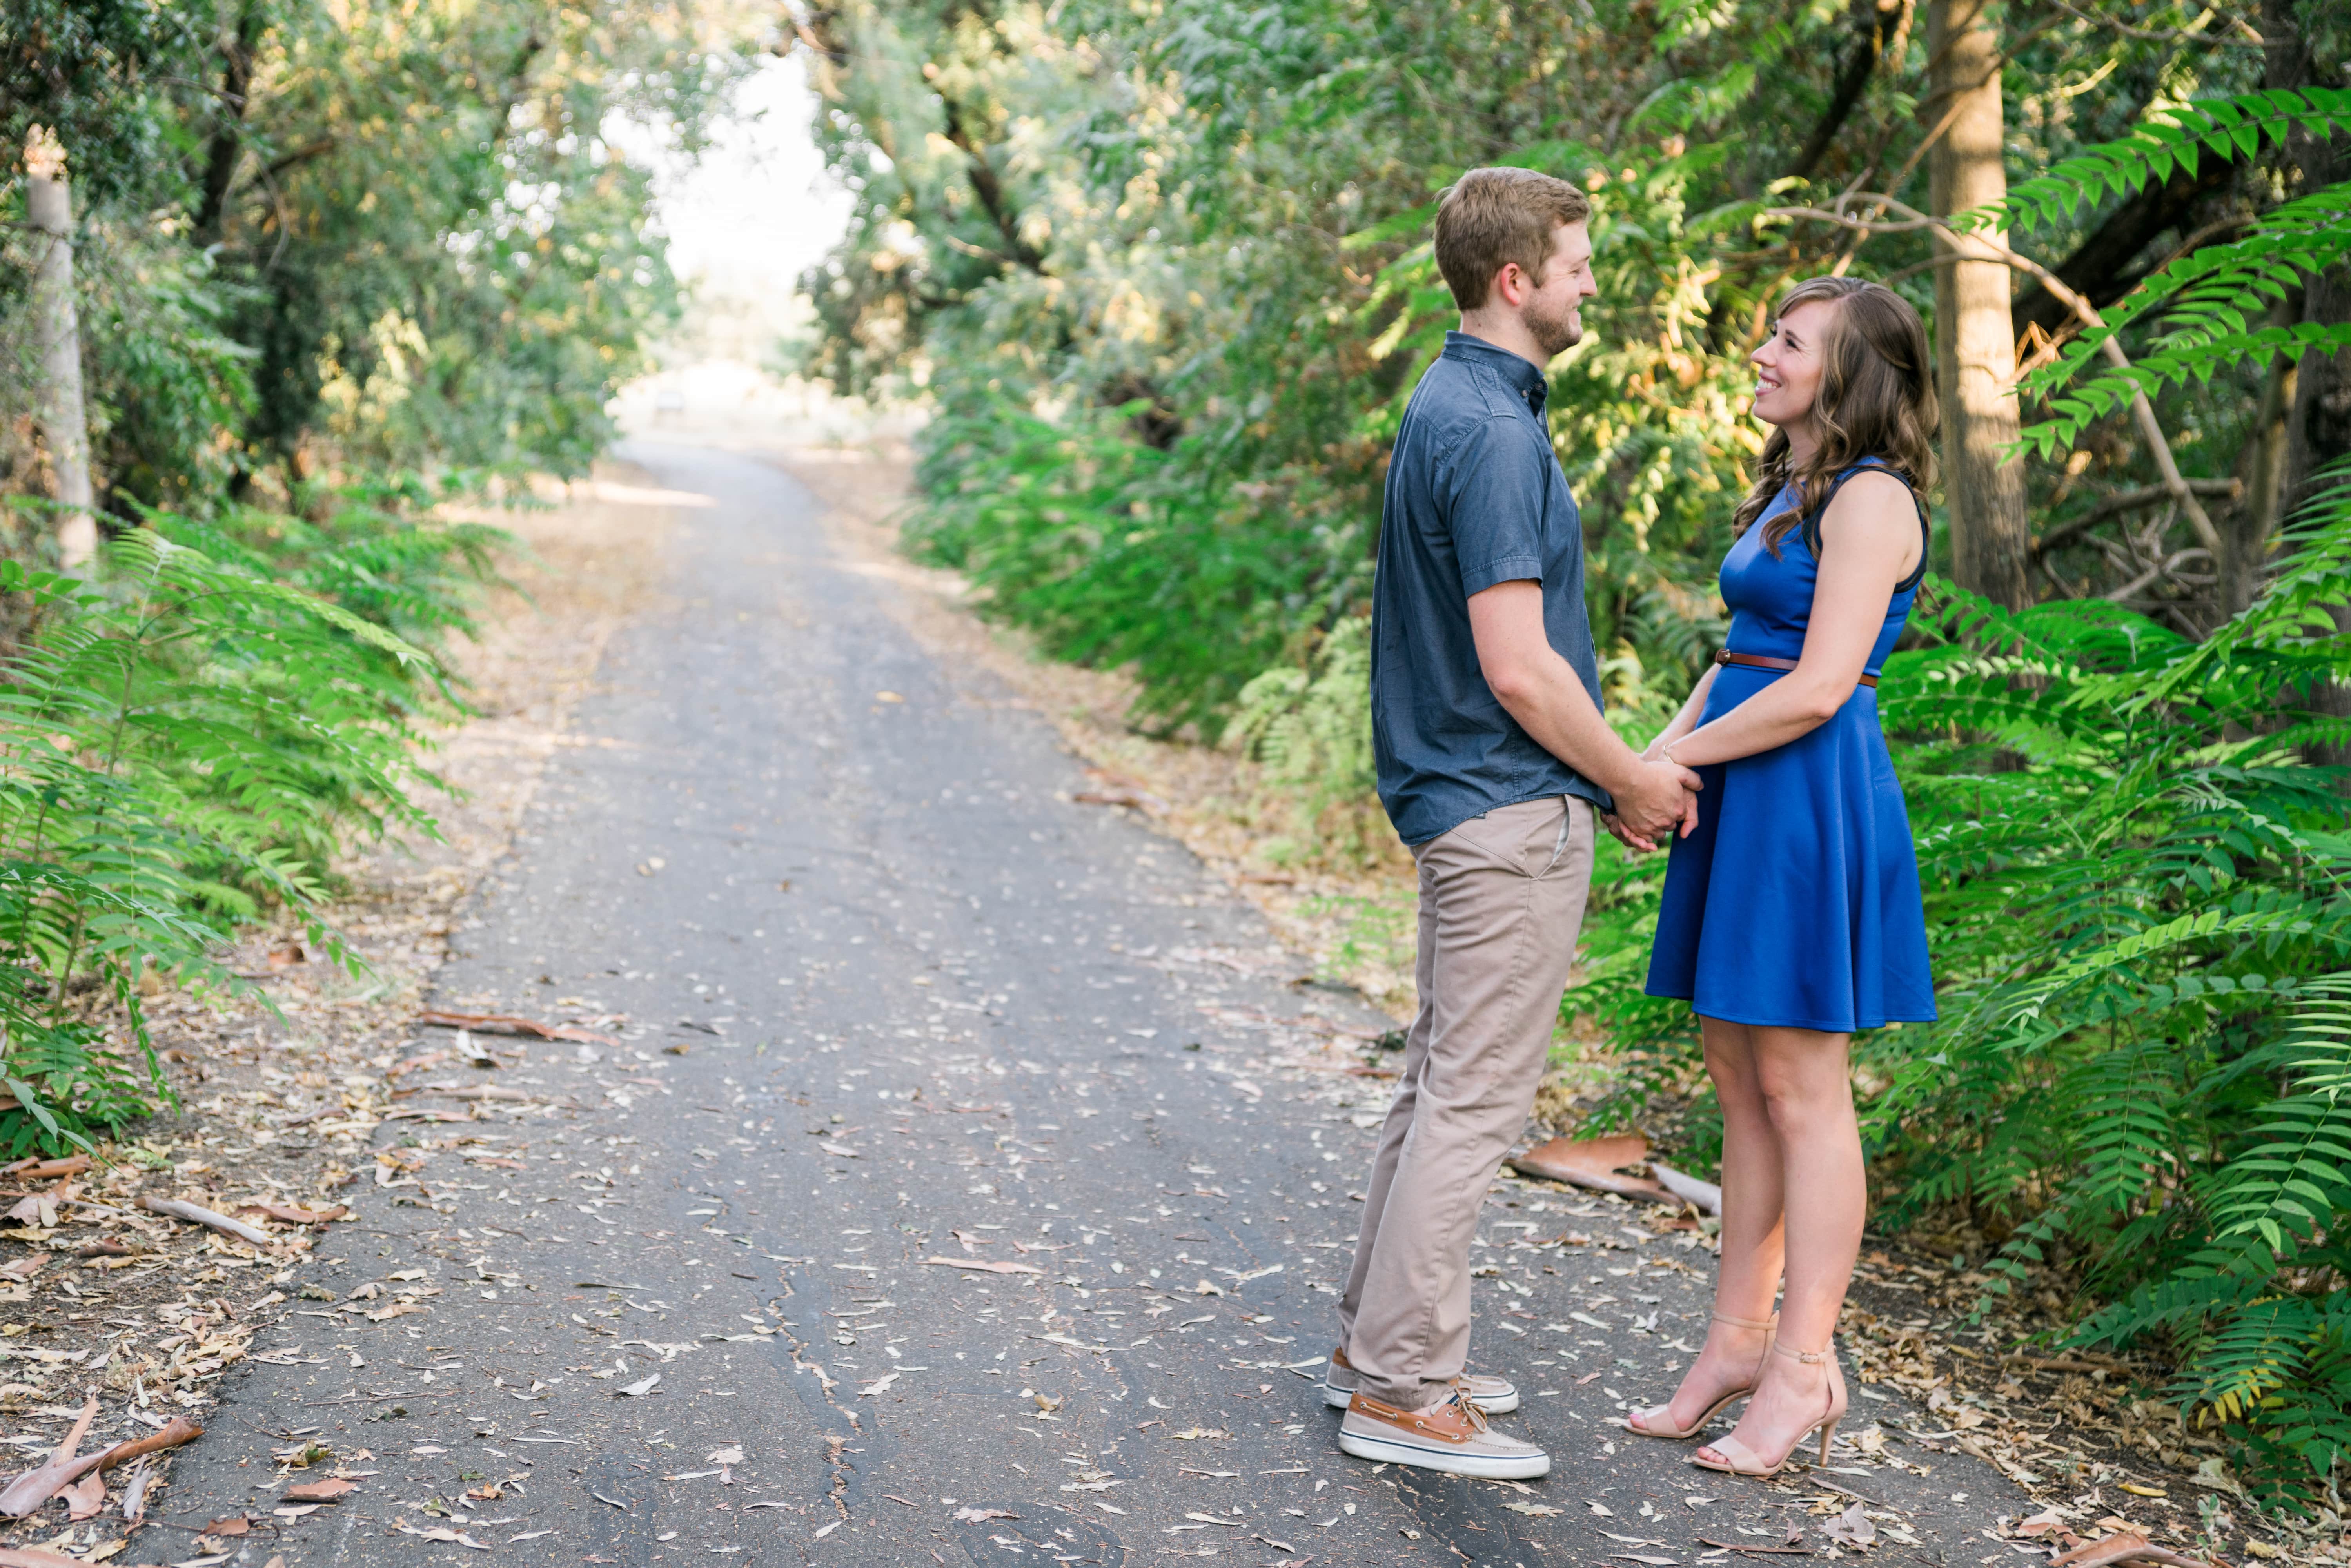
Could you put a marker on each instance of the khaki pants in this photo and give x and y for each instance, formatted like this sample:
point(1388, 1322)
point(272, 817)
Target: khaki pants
point(1501, 898)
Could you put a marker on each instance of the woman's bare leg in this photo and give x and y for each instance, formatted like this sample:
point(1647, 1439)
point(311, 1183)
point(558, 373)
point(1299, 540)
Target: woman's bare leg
point(1752, 1233)
point(1807, 1094)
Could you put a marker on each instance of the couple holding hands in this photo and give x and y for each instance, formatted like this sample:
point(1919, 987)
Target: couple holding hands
point(1792, 914)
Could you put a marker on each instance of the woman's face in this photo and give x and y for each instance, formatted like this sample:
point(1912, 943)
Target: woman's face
point(1788, 365)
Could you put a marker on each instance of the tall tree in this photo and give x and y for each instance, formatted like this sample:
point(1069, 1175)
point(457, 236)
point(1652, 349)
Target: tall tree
point(1975, 350)
point(2318, 420)
point(48, 203)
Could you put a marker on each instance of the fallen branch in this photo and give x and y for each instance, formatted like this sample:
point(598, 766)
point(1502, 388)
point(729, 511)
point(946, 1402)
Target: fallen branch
point(1703, 1196)
point(179, 1208)
point(297, 1216)
point(178, 1431)
point(39, 1169)
point(1762, 1551)
point(484, 1092)
point(506, 1023)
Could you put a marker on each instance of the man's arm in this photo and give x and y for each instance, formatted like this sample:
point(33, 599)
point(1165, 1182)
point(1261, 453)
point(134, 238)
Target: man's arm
point(1538, 689)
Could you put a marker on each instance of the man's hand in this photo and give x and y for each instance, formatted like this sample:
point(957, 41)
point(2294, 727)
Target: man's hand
point(1535, 685)
point(1616, 830)
point(1656, 800)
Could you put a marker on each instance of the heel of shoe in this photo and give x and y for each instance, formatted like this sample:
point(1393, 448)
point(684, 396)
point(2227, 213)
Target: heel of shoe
point(1828, 1441)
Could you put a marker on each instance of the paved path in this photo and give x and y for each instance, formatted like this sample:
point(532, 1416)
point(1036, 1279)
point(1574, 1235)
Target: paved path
point(686, 1307)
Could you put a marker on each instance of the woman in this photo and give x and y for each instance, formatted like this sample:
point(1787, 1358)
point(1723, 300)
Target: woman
point(1792, 914)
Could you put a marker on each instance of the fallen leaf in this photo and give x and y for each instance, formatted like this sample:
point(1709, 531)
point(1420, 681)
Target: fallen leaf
point(639, 1389)
point(86, 1497)
point(1534, 1510)
point(982, 1515)
point(1850, 1528)
point(2113, 1548)
point(443, 1532)
point(319, 1491)
point(733, 1456)
point(987, 1266)
point(64, 1466)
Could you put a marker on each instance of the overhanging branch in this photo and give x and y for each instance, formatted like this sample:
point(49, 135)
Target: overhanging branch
point(1978, 247)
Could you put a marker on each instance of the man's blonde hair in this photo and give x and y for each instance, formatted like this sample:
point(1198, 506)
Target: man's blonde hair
point(1491, 217)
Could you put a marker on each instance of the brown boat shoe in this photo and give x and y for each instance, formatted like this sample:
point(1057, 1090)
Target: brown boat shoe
point(1450, 1436)
point(1494, 1396)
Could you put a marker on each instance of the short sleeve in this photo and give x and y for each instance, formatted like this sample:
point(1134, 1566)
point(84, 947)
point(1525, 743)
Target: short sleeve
point(1497, 481)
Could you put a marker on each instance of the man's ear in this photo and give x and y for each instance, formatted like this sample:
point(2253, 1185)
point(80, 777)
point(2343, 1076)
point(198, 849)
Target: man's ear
point(1512, 286)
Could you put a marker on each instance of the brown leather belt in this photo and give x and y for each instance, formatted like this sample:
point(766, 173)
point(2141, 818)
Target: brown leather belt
point(1766, 662)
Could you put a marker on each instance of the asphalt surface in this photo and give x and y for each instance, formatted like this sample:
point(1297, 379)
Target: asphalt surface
point(888, 995)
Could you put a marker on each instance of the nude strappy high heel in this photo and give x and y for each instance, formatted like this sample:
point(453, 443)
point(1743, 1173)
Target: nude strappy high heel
point(1651, 1423)
point(1744, 1461)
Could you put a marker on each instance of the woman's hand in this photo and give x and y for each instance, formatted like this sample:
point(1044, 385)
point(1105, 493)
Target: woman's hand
point(1617, 830)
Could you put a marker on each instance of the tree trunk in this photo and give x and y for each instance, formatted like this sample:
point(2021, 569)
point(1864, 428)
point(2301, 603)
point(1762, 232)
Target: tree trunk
point(2247, 533)
point(1975, 353)
point(57, 336)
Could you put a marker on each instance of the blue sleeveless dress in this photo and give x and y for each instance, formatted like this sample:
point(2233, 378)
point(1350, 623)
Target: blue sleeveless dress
point(1795, 900)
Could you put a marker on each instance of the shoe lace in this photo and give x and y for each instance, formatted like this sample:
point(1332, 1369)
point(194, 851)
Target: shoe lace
point(1470, 1411)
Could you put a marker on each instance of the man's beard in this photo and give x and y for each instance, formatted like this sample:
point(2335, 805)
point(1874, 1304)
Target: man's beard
point(1554, 335)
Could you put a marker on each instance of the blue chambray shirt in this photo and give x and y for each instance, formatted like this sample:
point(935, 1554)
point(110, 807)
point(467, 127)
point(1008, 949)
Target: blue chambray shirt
point(1475, 496)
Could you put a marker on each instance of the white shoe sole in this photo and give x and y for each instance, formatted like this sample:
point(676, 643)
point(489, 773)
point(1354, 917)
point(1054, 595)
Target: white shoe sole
point(1452, 1461)
point(1336, 1398)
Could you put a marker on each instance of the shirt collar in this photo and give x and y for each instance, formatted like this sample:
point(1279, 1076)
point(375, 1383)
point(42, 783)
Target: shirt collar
point(1518, 374)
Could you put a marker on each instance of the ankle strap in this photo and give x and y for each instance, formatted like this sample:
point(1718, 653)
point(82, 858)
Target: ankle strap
point(1809, 1357)
point(1769, 1322)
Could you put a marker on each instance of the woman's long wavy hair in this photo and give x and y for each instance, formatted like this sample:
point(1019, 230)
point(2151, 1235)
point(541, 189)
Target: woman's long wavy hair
point(1877, 399)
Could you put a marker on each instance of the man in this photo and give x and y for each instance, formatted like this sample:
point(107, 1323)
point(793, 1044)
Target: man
point(1493, 758)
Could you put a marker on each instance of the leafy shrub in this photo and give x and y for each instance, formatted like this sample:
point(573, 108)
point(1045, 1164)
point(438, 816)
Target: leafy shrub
point(1114, 552)
point(1310, 730)
point(186, 744)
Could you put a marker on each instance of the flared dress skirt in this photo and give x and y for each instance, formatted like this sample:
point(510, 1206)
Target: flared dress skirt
point(1795, 900)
